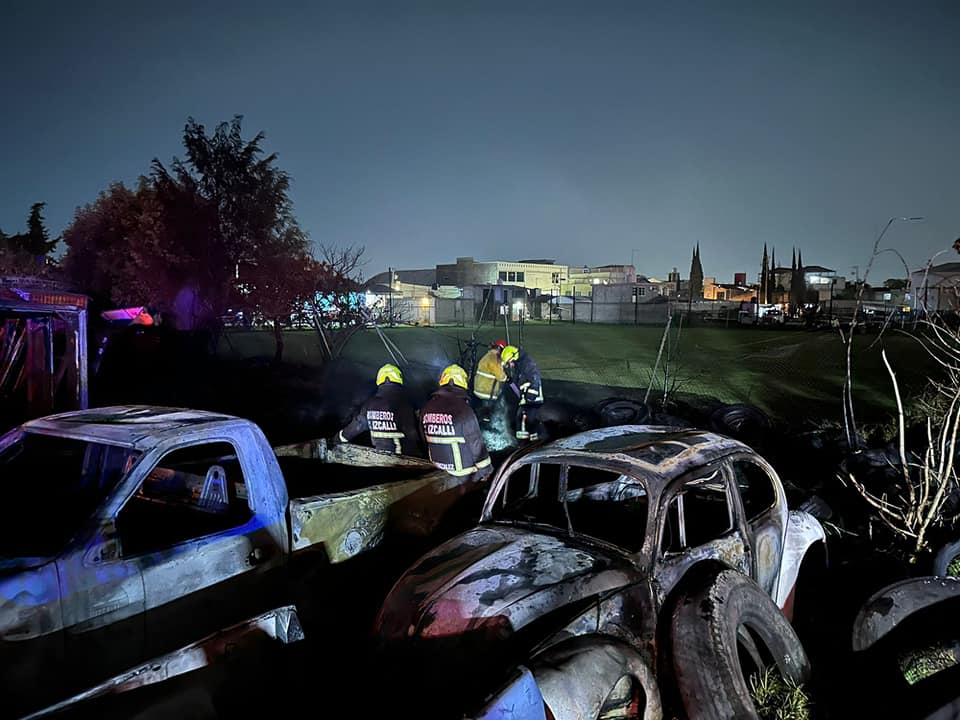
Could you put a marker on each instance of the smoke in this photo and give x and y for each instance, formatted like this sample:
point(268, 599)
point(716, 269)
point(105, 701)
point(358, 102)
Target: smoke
point(498, 434)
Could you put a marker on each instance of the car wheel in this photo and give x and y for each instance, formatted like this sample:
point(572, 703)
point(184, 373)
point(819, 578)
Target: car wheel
point(724, 629)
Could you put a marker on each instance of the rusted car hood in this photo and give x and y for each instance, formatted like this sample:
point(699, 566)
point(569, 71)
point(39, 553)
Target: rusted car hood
point(498, 579)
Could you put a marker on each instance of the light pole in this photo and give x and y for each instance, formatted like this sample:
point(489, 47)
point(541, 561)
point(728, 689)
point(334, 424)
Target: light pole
point(850, 425)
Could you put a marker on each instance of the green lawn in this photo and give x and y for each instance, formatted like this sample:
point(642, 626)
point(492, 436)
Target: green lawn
point(783, 372)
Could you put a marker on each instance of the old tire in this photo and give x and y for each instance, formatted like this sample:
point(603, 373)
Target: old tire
point(721, 625)
point(743, 422)
point(622, 411)
point(945, 557)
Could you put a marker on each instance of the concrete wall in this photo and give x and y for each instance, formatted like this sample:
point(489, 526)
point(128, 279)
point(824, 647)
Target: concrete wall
point(455, 312)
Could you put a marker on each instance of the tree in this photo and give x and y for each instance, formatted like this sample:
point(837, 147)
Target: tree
point(243, 199)
point(278, 287)
point(335, 305)
point(109, 247)
point(37, 240)
point(896, 284)
point(26, 253)
point(178, 240)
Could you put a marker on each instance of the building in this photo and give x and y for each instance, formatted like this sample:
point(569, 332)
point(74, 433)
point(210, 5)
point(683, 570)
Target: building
point(406, 297)
point(405, 283)
point(737, 291)
point(581, 281)
point(818, 283)
point(649, 288)
point(531, 274)
point(671, 288)
point(936, 290)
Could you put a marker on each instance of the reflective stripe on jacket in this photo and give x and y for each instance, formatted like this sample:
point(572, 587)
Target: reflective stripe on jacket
point(454, 441)
point(489, 377)
point(391, 421)
point(526, 375)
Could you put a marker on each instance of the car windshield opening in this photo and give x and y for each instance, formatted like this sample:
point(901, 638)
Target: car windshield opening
point(53, 485)
point(602, 504)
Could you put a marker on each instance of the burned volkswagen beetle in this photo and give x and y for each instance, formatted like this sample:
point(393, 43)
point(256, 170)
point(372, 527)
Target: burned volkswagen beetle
point(593, 535)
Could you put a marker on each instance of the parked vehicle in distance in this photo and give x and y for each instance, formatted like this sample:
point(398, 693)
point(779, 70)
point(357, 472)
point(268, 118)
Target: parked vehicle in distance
point(593, 539)
point(132, 531)
point(773, 317)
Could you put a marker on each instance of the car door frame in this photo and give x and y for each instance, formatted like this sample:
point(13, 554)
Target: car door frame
point(670, 568)
point(103, 603)
point(177, 589)
point(767, 531)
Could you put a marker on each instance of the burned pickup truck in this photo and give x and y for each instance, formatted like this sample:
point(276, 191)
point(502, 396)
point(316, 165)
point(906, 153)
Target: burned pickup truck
point(617, 553)
point(131, 531)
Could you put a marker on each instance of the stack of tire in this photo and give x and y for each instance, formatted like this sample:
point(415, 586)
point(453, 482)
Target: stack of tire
point(906, 640)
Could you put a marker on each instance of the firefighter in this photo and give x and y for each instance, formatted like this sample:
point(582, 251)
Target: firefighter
point(488, 380)
point(388, 416)
point(454, 441)
point(525, 376)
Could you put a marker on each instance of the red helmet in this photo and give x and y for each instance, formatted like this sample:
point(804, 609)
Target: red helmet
point(499, 344)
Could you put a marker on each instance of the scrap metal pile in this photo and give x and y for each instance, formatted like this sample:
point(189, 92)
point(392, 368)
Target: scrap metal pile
point(631, 571)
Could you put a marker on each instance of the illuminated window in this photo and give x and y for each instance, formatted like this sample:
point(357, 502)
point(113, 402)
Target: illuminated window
point(511, 276)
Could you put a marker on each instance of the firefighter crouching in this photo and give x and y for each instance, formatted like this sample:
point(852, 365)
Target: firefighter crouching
point(525, 375)
point(488, 380)
point(389, 417)
point(454, 441)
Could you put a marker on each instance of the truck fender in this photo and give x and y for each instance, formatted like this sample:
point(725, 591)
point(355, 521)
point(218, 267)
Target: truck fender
point(803, 532)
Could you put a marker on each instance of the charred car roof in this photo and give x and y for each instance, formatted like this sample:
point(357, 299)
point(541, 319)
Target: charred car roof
point(663, 451)
point(140, 426)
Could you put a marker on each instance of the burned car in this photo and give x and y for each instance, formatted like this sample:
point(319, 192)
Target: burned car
point(599, 536)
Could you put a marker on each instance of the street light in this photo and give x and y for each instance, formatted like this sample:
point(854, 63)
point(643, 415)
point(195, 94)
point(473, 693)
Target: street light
point(876, 246)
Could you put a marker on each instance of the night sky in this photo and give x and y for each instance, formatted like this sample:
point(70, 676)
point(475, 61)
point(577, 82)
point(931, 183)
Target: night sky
point(586, 132)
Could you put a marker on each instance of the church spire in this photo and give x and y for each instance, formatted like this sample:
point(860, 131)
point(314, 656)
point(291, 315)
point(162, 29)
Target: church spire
point(696, 275)
point(764, 291)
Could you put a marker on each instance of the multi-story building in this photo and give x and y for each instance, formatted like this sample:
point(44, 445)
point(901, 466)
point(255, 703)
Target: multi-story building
point(542, 275)
point(581, 280)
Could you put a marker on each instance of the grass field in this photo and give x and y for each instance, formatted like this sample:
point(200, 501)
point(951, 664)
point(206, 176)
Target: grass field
point(794, 375)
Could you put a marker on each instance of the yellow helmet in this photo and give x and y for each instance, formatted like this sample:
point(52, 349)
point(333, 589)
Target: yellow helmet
point(455, 374)
point(389, 373)
point(509, 354)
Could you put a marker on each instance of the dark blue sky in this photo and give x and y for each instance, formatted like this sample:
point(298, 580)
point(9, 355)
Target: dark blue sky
point(506, 130)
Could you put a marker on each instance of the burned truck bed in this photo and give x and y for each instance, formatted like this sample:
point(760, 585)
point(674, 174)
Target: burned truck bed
point(344, 500)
